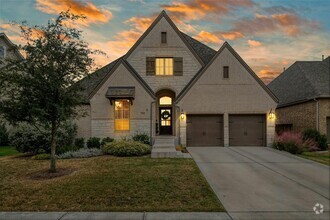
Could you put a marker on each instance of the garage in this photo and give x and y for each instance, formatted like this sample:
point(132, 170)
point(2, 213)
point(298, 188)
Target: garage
point(247, 130)
point(204, 130)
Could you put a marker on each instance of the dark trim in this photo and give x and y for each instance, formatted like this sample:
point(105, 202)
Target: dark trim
point(12, 45)
point(242, 62)
point(160, 16)
point(131, 70)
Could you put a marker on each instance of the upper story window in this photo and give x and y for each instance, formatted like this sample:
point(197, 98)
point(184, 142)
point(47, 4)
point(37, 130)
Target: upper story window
point(2, 51)
point(164, 66)
point(122, 115)
point(164, 37)
point(226, 72)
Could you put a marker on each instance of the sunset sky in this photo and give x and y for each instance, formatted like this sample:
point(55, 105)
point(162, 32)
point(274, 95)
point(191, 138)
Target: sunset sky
point(269, 35)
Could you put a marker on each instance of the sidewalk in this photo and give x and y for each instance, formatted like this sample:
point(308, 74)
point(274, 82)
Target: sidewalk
point(114, 216)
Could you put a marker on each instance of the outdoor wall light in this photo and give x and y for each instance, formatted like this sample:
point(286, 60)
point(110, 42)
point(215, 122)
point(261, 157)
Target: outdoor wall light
point(271, 114)
point(182, 114)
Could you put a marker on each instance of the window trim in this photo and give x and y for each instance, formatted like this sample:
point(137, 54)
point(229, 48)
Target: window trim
point(129, 115)
point(164, 75)
point(163, 33)
point(227, 73)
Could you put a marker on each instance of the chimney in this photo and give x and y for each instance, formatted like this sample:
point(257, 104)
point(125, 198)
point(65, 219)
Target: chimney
point(322, 57)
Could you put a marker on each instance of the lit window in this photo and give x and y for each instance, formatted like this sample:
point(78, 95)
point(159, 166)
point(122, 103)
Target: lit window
point(122, 115)
point(164, 66)
point(165, 100)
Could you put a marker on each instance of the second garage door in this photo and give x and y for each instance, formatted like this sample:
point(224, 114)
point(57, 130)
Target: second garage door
point(204, 130)
point(247, 130)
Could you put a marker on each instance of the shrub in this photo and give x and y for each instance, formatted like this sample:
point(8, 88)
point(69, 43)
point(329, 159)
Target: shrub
point(26, 138)
point(81, 153)
point(293, 142)
point(314, 135)
point(63, 149)
point(4, 136)
point(106, 140)
point(93, 142)
point(41, 157)
point(142, 138)
point(126, 148)
point(79, 142)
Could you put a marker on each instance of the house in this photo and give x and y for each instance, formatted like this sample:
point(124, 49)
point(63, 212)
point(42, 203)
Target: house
point(8, 50)
point(179, 91)
point(303, 91)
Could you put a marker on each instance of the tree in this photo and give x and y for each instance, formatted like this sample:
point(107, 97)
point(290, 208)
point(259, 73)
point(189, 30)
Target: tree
point(41, 89)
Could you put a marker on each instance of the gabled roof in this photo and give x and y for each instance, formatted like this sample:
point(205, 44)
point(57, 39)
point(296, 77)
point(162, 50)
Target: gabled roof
point(235, 54)
point(163, 14)
point(99, 77)
point(302, 81)
point(12, 45)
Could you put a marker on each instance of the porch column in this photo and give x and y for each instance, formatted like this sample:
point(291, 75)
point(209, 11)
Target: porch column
point(226, 129)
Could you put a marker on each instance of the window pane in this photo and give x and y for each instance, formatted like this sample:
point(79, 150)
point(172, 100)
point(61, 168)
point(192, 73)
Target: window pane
point(165, 100)
point(122, 115)
point(164, 66)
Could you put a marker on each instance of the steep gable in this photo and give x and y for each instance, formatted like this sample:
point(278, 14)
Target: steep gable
point(240, 72)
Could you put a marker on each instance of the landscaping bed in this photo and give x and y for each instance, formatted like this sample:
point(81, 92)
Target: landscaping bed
point(321, 157)
point(105, 183)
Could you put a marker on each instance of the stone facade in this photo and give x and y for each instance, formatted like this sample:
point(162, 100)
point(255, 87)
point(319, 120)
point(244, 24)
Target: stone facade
point(304, 115)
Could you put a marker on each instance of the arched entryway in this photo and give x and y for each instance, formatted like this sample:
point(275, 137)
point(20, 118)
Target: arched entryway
point(165, 112)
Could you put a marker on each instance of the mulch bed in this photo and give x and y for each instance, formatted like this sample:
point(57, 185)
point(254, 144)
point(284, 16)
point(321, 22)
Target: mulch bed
point(45, 174)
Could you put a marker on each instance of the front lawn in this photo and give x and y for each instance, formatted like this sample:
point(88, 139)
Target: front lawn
point(106, 183)
point(7, 151)
point(321, 157)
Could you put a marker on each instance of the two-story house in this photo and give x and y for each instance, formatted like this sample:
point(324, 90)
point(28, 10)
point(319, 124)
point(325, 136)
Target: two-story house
point(177, 89)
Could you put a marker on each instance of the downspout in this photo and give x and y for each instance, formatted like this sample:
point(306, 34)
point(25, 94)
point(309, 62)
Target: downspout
point(317, 114)
point(151, 140)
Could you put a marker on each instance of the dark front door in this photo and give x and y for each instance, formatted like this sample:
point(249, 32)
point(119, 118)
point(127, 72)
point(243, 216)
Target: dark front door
point(165, 126)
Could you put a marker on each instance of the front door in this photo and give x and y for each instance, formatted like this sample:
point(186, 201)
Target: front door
point(165, 118)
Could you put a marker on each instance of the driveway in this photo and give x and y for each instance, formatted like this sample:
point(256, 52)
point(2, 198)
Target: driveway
point(263, 183)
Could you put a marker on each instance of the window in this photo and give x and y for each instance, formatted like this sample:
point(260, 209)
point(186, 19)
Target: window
point(226, 72)
point(165, 100)
point(122, 115)
point(164, 38)
point(2, 51)
point(164, 66)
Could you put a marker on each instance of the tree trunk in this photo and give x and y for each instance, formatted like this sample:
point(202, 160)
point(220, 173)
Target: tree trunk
point(53, 149)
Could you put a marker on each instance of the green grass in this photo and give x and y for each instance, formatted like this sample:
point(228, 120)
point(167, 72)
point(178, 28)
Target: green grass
point(321, 157)
point(7, 151)
point(106, 183)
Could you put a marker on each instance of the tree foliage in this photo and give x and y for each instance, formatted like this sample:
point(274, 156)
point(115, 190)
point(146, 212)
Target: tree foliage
point(41, 89)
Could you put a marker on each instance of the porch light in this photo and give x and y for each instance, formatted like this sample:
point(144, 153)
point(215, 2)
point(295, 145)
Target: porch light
point(182, 114)
point(271, 114)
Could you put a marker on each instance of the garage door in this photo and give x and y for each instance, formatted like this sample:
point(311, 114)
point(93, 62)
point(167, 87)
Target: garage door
point(204, 130)
point(247, 130)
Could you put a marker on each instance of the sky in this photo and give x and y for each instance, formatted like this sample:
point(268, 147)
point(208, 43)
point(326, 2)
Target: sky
point(268, 35)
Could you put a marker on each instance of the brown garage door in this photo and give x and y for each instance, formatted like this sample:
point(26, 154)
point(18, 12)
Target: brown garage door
point(247, 130)
point(204, 130)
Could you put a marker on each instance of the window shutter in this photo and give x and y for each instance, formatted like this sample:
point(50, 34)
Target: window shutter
point(226, 72)
point(178, 66)
point(150, 66)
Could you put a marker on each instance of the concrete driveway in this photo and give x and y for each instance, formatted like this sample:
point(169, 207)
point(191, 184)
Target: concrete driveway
point(263, 183)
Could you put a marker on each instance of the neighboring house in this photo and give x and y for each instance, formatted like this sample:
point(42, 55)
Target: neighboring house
point(8, 50)
point(303, 91)
point(178, 91)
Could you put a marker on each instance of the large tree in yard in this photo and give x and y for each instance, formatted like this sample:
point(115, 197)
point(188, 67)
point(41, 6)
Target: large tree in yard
point(41, 89)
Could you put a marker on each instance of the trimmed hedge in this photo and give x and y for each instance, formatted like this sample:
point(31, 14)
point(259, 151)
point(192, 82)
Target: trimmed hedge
point(126, 148)
point(94, 142)
point(142, 137)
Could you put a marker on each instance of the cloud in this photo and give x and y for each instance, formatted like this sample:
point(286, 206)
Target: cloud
point(254, 43)
point(288, 24)
point(208, 37)
point(199, 9)
point(140, 23)
point(231, 35)
point(93, 13)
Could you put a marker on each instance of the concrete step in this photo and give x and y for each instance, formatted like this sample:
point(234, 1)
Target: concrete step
point(165, 153)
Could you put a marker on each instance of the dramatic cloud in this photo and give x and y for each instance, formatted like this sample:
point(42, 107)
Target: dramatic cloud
point(208, 37)
point(254, 43)
point(199, 9)
point(230, 35)
point(93, 13)
point(288, 24)
point(140, 23)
